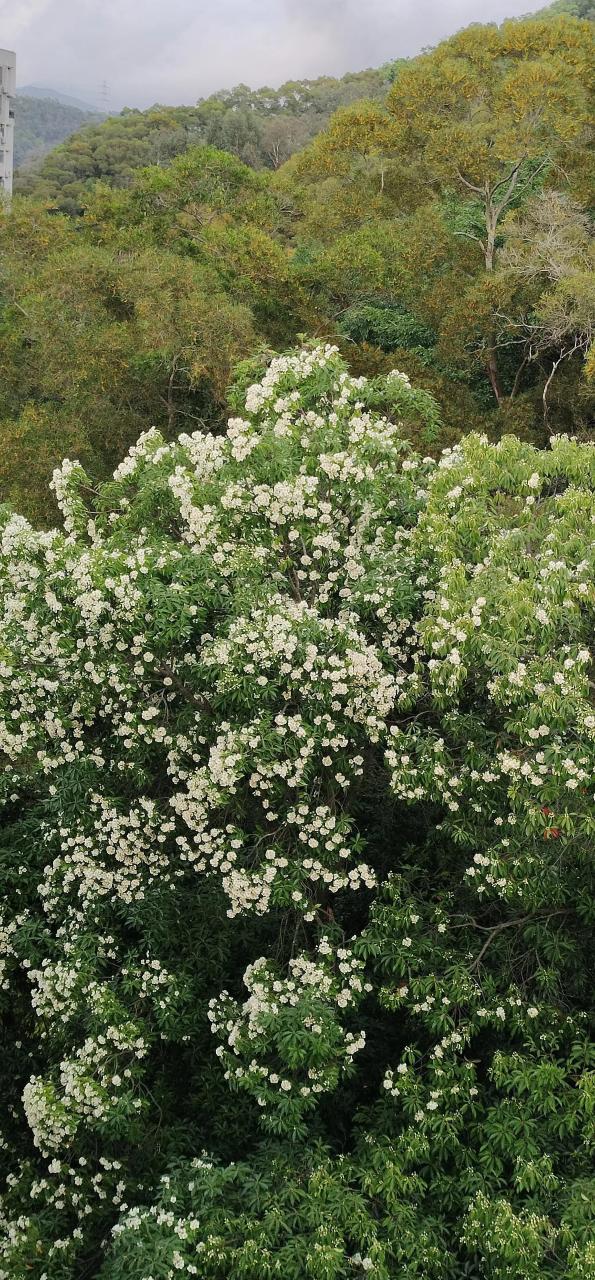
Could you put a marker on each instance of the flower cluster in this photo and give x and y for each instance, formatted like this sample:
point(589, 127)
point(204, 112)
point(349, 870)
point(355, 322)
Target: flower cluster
point(286, 1044)
point(90, 1089)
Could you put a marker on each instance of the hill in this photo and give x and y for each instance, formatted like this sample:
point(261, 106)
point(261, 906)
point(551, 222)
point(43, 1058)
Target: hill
point(262, 127)
point(56, 95)
point(43, 123)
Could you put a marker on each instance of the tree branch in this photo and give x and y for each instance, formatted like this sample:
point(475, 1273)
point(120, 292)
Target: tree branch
point(478, 190)
point(517, 378)
point(577, 345)
point(469, 236)
point(514, 924)
point(509, 177)
point(514, 177)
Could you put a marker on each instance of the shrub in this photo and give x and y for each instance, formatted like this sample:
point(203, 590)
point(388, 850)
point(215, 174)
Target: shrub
point(387, 327)
point(297, 810)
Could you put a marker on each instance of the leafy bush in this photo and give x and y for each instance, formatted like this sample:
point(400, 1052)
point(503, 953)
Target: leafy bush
point(298, 732)
point(386, 327)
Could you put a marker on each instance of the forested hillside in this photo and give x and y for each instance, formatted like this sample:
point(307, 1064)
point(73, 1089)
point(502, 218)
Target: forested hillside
point(262, 127)
point(41, 123)
point(457, 243)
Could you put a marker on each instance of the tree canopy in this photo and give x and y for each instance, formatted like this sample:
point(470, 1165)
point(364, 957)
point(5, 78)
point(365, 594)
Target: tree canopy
point(297, 825)
point(473, 133)
point(262, 127)
point(297, 722)
point(135, 317)
point(443, 222)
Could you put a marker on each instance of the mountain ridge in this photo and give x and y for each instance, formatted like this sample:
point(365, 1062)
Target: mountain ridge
point(56, 95)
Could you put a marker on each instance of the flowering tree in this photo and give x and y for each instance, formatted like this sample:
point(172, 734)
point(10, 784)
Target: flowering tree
point(297, 730)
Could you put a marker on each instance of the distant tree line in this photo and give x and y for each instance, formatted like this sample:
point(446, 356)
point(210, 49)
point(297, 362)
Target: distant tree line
point(262, 127)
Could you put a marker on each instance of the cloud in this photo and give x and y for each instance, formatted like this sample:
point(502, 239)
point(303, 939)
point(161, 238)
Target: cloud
point(148, 50)
point(18, 18)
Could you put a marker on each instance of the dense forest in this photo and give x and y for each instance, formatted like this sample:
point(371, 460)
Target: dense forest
point(456, 244)
point(262, 127)
point(297, 725)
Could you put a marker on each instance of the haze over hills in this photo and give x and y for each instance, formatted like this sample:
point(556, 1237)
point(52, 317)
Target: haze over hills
point(261, 127)
point(56, 95)
point(43, 119)
point(172, 54)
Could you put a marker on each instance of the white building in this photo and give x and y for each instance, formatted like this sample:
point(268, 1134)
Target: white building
point(7, 96)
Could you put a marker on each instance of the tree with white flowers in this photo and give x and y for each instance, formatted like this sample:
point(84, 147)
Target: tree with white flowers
point(298, 735)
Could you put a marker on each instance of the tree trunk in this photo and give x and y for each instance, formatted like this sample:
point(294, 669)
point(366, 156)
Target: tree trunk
point(490, 250)
point(493, 374)
point(171, 403)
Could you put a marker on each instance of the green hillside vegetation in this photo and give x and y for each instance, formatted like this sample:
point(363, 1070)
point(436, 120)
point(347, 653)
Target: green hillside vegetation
point(262, 127)
point(463, 202)
point(42, 123)
point(572, 8)
point(454, 242)
point(106, 330)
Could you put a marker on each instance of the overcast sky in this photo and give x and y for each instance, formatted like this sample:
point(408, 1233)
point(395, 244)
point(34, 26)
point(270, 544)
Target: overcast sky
point(175, 51)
